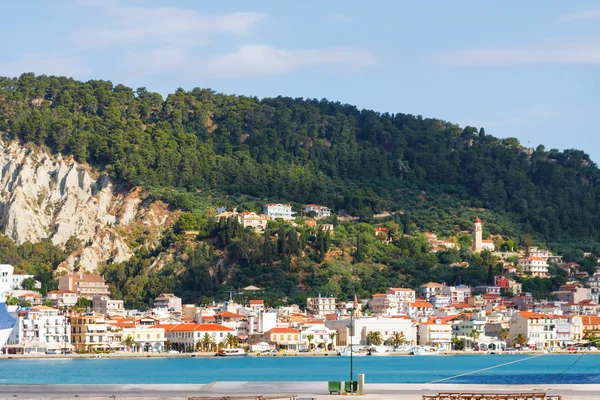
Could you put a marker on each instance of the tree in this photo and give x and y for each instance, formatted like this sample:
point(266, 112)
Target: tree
point(230, 341)
point(309, 338)
point(520, 340)
point(474, 334)
point(12, 301)
point(49, 303)
point(168, 345)
point(374, 338)
point(398, 339)
point(332, 337)
point(207, 342)
point(504, 332)
point(129, 342)
point(83, 304)
point(28, 283)
point(458, 344)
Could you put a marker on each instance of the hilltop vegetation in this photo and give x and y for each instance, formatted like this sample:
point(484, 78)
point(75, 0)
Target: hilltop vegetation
point(199, 148)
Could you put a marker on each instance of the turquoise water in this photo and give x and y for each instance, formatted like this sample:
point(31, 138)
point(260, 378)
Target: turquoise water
point(377, 369)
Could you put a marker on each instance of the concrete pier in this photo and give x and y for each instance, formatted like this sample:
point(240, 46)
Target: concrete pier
point(316, 390)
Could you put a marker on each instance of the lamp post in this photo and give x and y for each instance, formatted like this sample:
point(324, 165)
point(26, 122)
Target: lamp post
point(351, 335)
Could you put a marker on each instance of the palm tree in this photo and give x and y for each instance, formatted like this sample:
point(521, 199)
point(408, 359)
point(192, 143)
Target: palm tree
point(129, 342)
point(332, 336)
point(230, 341)
point(520, 339)
point(207, 342)
point(374, 338)
point(168, 345)
point(504, 332)
point(309, 338)
point(458, 344)
point(398, 339)
point(474, 334)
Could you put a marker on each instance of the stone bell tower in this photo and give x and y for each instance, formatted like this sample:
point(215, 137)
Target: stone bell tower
point(477, 235)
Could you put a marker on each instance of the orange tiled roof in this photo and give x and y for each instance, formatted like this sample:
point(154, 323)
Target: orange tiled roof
point(193, 327)
point(283, 330)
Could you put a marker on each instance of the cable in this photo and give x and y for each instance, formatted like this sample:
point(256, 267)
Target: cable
point(574, 362)
point(484, 369)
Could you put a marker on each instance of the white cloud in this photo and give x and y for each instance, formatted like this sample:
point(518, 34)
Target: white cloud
point(581, 15)
point(570, 51)
point(246, 61)
point(163, 25)
point(48, 64)
point(264, 60)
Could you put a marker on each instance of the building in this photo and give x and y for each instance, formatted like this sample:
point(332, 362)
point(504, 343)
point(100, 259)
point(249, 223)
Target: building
point(317, 336)
point(41, 329)
point(488, 289)
point(17, 281)
point(440, 301)
point(545, 331)
point(147, 338)
point(435, 332)
point(458, 294)
point(572, 293)
point(534, 267)
point(507, 284)
point(357, 330)
point(62, 298)
point(184, 337)
point(169, 302)
point(84, 285)
point(403, 295)
point(593, 282)
point(257, 305)
point(488, 245)
point(89, 332)
point(418, 309)
point(320, 211)
point(276, 211)
point(477, 236)
point(285, 338)
point(103, 305)
point(384, 304)
point(321, 305)
point(254, 221)
point(534, 251)
point(431, 289)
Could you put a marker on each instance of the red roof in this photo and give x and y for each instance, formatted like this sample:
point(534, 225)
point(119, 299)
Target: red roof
point(477, 219)
point(257, 302)
point(193, 327)
point(283, 330)
point(227, 314)
point(424, 304)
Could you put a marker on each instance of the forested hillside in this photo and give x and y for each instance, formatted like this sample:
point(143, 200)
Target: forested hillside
point(194, 148)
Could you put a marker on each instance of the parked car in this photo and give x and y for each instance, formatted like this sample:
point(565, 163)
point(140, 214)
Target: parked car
point(173, 352)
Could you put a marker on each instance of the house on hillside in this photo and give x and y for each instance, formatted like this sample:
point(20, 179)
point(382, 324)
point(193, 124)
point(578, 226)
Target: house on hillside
point(320, 211)
point(279, 211)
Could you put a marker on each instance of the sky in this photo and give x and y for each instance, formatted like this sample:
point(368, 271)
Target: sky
point(524, 69)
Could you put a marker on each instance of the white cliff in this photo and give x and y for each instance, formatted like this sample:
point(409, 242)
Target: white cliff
point(45, 196)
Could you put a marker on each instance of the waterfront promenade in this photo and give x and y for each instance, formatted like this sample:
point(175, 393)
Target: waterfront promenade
point(316, 390)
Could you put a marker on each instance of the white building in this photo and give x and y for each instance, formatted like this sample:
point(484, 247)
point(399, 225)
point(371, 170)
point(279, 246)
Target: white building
point(184, 337)
point(168, 301)
point(458, 294)
point(362, 326)
point(534, 266)
point(418, 309)
point(320, 211)
point(488, 245)
point(431, 289)
point(403, 295)
point(62, 298)
point(440, 301)
point(384, 304)
point(7, 322)
point(321, 305)
point(275, 211)
point(545, 331)
point(435, 332)
point(41, 329)
point(17, 281)
point(104, 305)
point(319, 336)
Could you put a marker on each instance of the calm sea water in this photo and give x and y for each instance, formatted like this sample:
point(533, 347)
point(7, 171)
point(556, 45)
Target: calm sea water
point(377, 369)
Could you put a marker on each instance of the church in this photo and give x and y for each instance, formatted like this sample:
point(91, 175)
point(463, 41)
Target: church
point(478, 243)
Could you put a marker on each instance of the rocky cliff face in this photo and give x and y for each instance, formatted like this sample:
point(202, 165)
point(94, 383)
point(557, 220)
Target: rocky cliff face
point(45, 196)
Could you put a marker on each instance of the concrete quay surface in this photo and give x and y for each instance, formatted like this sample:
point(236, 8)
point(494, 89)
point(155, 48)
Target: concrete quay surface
point(284, 390)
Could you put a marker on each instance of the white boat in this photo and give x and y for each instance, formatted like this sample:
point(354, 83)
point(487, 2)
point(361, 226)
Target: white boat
point(424, 351)
point(235, 352)
point(7, 322)
point(355, 353)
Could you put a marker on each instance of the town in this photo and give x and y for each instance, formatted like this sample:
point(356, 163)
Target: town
point(81, 317)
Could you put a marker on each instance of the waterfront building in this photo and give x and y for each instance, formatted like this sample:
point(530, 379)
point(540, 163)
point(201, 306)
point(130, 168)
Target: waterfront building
point(541, 329)
point(361, 327)
point(285, 338)
point(169, 302)
point(89, 332)
point(84, 285)
point(321, 306)
point(41, 329)
point(147, 338)
point(435, 332)
point(184, 337)
point(319, 336)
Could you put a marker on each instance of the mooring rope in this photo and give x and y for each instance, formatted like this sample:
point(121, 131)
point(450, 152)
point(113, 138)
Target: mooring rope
point(485, 369)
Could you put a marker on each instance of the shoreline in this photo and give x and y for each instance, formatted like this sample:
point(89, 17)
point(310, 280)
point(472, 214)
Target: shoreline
point(291, 354)
point(315, 390)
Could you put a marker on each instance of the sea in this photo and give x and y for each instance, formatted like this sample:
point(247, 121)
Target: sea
point(488, 369)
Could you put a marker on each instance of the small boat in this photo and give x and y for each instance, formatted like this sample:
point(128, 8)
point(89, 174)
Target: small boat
point(355, 353)
point(236, 352)
point(424, 351)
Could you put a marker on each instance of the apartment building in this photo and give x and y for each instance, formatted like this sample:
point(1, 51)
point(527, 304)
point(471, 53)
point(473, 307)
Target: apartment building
point(84, 285)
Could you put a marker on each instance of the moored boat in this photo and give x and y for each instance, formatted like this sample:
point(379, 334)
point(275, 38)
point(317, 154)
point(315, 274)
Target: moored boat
point(236, 352)
point(424, 351)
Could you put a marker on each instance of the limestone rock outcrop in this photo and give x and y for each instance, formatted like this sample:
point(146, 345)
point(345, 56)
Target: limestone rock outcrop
point(46, 196)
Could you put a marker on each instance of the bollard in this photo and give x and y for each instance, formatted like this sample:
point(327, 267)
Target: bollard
point(361, 383)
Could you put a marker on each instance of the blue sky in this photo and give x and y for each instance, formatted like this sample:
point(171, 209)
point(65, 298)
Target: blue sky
point(526, 69)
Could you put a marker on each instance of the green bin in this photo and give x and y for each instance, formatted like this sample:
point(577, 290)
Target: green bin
point(351, 387)
point(335, 387)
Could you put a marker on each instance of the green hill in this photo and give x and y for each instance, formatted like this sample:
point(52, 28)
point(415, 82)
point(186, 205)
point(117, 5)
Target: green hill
point(199, 148)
